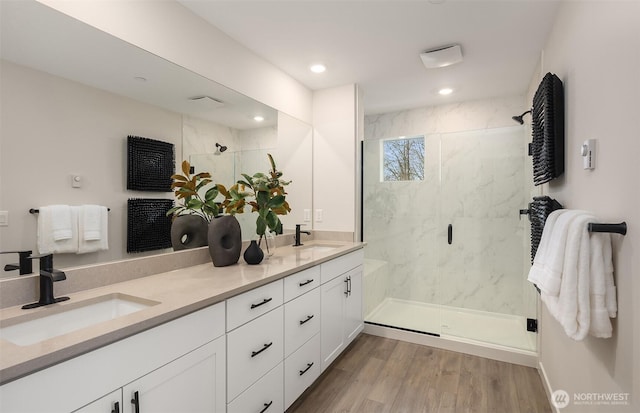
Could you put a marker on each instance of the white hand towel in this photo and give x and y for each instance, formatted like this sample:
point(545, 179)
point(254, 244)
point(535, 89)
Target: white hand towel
point(47, 242)
point(91, 222)
point(93, 225)
point(60, 221)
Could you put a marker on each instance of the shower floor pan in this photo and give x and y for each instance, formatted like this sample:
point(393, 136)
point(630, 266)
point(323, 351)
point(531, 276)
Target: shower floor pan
point(482, 326)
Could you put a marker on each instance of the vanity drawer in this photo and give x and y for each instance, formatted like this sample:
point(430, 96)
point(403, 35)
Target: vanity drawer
point(252, 350)
point(301, 369)
point(337, 266)
point(266, 395)
point(301, 320)
point(300, 283)
point(247, 306)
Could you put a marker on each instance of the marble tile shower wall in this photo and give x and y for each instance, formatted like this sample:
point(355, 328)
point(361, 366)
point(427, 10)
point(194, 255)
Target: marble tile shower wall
point(473, 180)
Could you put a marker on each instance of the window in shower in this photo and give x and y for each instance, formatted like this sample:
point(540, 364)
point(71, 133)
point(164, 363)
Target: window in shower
point(402, 159)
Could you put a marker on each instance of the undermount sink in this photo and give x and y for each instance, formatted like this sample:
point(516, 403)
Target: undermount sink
point(319, 247)
point(55, 321)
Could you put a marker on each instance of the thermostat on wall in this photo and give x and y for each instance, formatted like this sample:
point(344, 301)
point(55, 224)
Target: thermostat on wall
point(588, 152)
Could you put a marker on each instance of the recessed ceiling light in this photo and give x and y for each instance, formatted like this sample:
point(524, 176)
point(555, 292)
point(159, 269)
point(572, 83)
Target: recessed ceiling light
point(445, 91)
point(318, 68)
point(258, 118)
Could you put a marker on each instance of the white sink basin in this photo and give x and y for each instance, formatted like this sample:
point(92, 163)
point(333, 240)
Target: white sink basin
point(57, 320)
point(319, 247)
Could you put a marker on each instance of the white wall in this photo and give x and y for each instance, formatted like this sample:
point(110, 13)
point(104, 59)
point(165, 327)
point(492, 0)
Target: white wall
point(171, 31)
point(53, 128)
point(595, 50)
point(334, 158)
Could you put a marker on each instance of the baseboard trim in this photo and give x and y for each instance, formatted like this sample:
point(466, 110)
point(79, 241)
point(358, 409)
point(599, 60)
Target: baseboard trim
point(546, 385)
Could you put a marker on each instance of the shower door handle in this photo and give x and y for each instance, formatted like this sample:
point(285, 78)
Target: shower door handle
point(450, 234)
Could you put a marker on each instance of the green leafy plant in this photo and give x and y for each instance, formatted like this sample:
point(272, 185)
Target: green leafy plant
point(187, 189)
point(265, 194)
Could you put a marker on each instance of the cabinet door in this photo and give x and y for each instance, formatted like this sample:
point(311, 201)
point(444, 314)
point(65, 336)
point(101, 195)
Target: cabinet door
point(333, 295)
point(193, 383)
point(353, 321)
point(111, 403)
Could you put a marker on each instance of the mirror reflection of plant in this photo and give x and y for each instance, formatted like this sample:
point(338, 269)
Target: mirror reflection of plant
point(186, 189)
point(265, 194)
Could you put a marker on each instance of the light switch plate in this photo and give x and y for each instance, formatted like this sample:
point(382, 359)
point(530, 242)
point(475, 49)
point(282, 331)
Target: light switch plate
point(318, 215)
point(4, 218)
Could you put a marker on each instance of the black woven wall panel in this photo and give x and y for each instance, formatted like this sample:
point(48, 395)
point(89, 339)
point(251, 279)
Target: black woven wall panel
point(150, 164)
point(548, 130)
point(148, 226)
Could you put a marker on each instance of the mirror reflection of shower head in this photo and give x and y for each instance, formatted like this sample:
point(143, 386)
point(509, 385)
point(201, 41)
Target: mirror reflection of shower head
point(220, 148)
point(519, 118)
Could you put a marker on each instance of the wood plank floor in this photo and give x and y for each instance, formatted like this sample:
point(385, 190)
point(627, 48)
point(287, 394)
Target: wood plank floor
point(377, 374)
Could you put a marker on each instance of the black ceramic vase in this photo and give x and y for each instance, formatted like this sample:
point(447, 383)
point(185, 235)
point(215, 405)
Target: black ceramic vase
point(225, 240)
point(188, 231)
point(253, 254)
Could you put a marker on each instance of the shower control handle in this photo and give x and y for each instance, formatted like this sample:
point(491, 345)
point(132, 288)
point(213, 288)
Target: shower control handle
point(450, 234)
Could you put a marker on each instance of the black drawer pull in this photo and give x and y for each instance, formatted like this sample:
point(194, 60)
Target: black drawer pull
point(136, 402)
point(266, 406)
point(116, 407)
point(266, 300)
point(302, 284)
point(450, 234)
point(266, 346)
point(309, 317)
point(307, 369)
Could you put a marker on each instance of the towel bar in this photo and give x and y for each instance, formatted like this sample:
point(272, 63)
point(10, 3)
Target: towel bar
point(620, 228)
point(36, 211)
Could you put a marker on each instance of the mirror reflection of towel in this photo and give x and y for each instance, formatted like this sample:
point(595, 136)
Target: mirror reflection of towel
point(57, 229)
point(92, 228)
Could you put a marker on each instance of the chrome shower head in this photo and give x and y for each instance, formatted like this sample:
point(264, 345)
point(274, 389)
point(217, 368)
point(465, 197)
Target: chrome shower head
point(519, 118)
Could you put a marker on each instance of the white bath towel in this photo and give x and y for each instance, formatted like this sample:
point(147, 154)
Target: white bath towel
point(546, 272)
point(93, 224)
point(602, 289)
point(571, 306)
point(61, 237)
point(586, 297)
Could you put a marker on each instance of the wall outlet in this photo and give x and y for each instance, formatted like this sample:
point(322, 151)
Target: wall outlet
point(4, 218)
point(307, 215)
point(318, 215)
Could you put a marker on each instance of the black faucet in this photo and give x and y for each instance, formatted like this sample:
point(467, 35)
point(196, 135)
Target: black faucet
point(48, 275)
point(297, 236)
point(24, 265)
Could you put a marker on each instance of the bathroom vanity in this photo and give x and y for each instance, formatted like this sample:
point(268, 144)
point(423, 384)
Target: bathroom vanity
point(199, 339)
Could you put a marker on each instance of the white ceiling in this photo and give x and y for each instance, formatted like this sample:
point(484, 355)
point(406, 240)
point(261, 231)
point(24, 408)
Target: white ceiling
point(376, 44)
point(39, 37)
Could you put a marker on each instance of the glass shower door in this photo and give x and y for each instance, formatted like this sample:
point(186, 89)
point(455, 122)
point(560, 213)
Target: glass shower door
point(481, 263)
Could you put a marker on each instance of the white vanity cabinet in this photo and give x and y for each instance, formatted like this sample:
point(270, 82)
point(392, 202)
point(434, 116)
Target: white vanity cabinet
point(341, 296)
point(301, 333)
point(172, 367)
point(255, 350)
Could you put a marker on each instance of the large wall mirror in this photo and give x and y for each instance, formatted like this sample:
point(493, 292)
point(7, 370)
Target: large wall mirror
point(71, 94)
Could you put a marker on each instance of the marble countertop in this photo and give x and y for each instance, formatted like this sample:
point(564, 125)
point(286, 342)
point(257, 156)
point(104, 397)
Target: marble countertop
point(177, 292)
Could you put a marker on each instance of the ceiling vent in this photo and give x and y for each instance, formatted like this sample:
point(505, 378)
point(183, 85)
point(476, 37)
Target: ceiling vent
point(211, 103)
point(442, 56)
